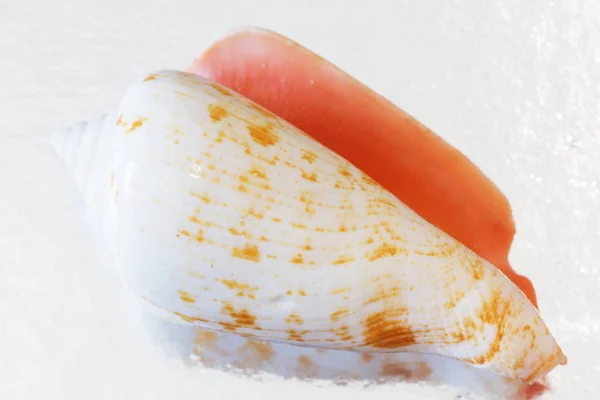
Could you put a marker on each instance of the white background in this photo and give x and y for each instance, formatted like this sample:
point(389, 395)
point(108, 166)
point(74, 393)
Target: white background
point(514, 84)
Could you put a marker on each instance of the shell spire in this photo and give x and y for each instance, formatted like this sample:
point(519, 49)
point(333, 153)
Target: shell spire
point(86, 150)
point(78, 147)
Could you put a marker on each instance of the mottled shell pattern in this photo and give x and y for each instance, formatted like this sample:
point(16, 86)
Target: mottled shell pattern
point(224, 216)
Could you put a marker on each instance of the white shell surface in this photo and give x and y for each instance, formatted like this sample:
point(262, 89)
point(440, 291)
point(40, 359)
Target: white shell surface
point(226, 217)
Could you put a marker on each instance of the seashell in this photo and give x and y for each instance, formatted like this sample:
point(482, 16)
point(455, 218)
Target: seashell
point(223, 216)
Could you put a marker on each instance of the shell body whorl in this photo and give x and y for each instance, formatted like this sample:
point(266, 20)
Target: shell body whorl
point(224, 216)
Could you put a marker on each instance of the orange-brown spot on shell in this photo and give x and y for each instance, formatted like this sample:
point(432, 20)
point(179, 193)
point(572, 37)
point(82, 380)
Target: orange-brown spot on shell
point(341, 312)
point(341, 291)
point(295, 335)
point(151, 77)
point(477, 269)
point(243, 289)
point(263, 111)
point(386, 202)
point(221, 136)
point(183, 95)
point(202, 197)
point(263, 135)
point(243, 188)
point(366, 357)
point(312, 176)
point(120, 120)
point(212, 167)
point(385, 250)
point(216, 112)
point(469, 323)
point(343, 259)
point(187, 318)
point(272, 161)
point(299, 226)
point(228, 326)
point(384, 294)
point(301, 292)
point(384, 330)
point(289, 292)
point(304, 197)
point(446, 250)
point(297, 259)
point(221, 89)
point(308, 202)
point(458, 296)
point(242, 318)
point(368, 180)
point(186, 297)
point(467, 331)
point(275, 219)
point(494, 312)
point(528, 330)
point(184, 232)
point(199, 236)
point(136, 124)
point(294, 319)
point(234, 231)
point(258, 173)
point(307, 247)
point(343, 333)
point(255, 214)
point(520, 363)
point(345, 172)
point(249, 252)
point(195, 274)
point(308, 156)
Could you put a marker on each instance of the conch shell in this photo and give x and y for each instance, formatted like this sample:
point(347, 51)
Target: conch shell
point(223, 216)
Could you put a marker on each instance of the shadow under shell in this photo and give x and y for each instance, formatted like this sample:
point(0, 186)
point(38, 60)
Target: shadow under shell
point(253, 357)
